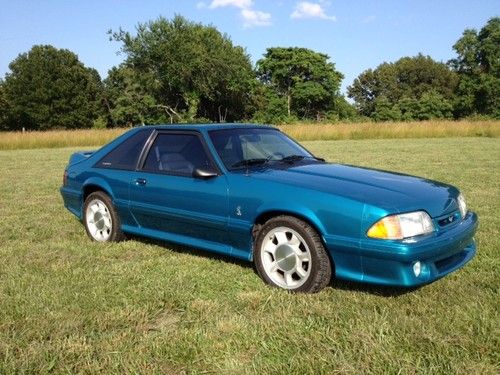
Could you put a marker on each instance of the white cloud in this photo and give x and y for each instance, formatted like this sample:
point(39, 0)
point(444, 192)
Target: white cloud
point(251, 17)
point(201, 5)
point(306, 9)
point(255, 18)
point(242, 4)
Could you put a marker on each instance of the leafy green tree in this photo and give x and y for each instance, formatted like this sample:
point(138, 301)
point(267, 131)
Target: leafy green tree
point(306, 80)
point(4, 108)
point(187, 70)
point(433, 105)
point(127, 101)
point(368, 86)
point(409, 108)
point(385, 110)
point(409, 78)
point(478, 65)
point(271, 107)
point(344, 110)
point(50, 88)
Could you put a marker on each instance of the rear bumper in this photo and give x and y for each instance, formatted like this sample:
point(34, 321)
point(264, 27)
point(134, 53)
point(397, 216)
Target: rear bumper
point(392, 262)
point(72, 201)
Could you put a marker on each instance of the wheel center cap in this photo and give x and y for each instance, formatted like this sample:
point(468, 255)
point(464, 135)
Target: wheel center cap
point(285, 257)
point(99, 220)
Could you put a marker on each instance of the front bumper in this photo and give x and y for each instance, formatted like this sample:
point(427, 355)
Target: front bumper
point(391, 262)
point(387, 262)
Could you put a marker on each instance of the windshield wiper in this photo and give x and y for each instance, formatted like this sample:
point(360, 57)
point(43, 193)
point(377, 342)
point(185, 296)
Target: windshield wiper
point(294, 158)
point(250, 162)
point(261, 161)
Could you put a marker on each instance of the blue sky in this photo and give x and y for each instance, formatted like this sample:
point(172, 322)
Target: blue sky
point(355, 34)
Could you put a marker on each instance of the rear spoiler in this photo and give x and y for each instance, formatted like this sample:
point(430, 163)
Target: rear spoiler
point(79, 156)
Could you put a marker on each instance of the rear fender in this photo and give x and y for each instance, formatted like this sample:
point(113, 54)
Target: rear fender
point(99, 183)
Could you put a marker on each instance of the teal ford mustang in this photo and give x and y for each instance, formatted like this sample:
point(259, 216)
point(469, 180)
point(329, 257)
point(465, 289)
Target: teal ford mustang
point(253, 193)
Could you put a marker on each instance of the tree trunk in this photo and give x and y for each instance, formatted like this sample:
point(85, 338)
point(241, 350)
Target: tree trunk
point(108, 108)
point(170, 112)
point(289, 102)
point(222, 118)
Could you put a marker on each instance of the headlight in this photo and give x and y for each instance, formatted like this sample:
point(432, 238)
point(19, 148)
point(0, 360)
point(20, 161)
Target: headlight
point(397, 227)
point(461, 205)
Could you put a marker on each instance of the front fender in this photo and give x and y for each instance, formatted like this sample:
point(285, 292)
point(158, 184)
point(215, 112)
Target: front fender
point(293, 209)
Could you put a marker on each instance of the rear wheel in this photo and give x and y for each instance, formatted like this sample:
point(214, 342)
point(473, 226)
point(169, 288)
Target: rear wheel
point(289, 254)
point(101, 220)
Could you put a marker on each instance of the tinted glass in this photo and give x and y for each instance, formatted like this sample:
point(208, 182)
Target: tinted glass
point(236, 145)
point(177, 154)
point(126, 154)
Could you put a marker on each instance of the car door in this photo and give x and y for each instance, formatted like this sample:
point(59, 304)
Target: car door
point(165, 197)
point(115, 168)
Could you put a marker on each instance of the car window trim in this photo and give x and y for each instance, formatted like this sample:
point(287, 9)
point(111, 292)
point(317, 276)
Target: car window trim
point(145, 150)
point(156, 133)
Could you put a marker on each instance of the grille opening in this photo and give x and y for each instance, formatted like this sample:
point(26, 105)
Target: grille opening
point(447, 263)
point(448, 220)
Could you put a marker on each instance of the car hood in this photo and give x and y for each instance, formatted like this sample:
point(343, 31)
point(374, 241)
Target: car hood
point(393, 192)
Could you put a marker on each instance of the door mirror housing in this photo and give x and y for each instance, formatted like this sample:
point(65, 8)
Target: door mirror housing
point(205, 173)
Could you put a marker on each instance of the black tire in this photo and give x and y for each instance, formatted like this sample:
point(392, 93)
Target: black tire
point(320, 266)
point(114, 233)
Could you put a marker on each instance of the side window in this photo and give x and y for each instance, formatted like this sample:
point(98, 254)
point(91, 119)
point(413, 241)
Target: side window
point(177, 154)
point(126, 154)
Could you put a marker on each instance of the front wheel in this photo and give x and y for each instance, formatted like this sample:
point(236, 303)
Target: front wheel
point(289, 254)
point(101, 220)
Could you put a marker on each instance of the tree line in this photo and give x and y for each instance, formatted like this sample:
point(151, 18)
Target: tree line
point(178, 71)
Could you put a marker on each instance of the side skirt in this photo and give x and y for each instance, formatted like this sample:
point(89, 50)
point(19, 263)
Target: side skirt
point(211, 246)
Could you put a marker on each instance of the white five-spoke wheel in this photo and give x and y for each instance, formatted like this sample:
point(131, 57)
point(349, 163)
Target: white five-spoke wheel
point(102, 223)
point(98, 220)
point(286, 258)
point(289, 254)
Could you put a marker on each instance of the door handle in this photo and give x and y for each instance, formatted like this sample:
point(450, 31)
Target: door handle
point(140, 181)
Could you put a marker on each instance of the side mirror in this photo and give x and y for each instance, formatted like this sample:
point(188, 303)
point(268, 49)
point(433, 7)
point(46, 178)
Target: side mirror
point(204, 173)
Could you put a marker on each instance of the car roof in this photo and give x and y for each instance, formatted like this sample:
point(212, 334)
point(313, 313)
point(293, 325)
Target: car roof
point(210, 126)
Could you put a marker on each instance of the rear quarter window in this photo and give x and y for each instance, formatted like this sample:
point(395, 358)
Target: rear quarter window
point(126, 154)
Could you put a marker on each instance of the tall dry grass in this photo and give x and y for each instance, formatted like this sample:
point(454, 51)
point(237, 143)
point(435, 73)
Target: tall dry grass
point(58, 138)
point(301, 132)
point(371, 130)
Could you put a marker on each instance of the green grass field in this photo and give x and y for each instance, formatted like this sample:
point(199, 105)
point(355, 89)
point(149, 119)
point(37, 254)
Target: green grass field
point(70, 305)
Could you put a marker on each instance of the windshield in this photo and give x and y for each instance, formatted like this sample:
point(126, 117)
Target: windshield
point(241, 148)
